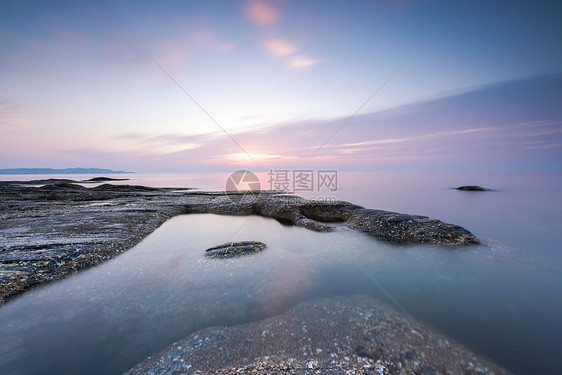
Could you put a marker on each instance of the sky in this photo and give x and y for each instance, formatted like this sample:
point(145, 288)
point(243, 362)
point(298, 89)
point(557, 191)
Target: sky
point(180, 86)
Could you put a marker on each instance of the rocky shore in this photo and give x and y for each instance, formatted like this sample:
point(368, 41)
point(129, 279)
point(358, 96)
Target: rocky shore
point(52, 228)
point(340, 335)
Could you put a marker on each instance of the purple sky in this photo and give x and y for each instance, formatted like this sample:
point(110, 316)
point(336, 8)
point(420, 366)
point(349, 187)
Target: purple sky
point(472, 85)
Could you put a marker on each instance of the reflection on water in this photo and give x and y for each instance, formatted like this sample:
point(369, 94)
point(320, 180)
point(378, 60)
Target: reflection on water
point(107, 319)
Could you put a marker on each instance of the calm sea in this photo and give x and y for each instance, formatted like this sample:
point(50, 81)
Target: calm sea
point(502, 299)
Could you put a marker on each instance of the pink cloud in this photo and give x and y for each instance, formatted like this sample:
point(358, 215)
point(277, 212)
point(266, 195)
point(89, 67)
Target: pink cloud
point(280, 47)
point(302, 61)
point(261, 13)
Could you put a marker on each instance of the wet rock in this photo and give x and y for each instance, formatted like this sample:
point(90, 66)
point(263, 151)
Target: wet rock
point(407, 229)
point(351, 334)
point(234, 249)
point(330, 212)
point(384, 225)
point(472, 188)
point(123, 188)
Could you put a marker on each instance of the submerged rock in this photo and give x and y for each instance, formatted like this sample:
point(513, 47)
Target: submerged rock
point(472, 188)
point(234, 249)
point(346, 334)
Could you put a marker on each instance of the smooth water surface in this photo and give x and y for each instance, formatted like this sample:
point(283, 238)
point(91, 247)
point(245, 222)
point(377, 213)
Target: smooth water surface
point(106, 319)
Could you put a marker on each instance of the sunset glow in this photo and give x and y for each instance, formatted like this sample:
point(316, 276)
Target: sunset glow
point(375, 85)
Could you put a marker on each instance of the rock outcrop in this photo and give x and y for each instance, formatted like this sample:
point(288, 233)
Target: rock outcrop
point(472, 188)
point(384, 225)
point(234, 249)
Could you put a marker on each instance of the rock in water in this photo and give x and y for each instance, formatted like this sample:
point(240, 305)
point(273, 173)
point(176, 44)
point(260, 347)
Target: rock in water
point(339, 335)
point(472, 188)
point(233, 249)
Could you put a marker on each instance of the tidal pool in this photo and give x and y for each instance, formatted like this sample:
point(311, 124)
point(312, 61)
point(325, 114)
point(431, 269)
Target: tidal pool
point(108, 318)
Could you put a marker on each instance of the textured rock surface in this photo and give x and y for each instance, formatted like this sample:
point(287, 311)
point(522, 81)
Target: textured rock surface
point(325, 336)
point(53, 230)
point(384, 225)
point(49, 232)
point(233, 249)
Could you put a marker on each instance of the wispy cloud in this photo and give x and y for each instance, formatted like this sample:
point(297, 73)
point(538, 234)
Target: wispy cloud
point(302, 61)
point(416, 137)
point(264, 14)
point(545, 146)
point(240, 156)
point(413, 136)
point(280, 47)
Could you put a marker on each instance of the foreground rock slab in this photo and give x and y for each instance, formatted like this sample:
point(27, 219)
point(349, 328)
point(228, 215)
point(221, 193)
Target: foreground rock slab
point(324, 336)
point(234, 249)
point(60, 227)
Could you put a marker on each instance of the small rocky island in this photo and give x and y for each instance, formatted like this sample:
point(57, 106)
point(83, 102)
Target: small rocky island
point(472, 188)
point(234, 249)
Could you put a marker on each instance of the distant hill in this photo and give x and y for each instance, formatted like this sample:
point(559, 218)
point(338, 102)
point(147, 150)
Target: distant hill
point(59, 171)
